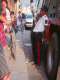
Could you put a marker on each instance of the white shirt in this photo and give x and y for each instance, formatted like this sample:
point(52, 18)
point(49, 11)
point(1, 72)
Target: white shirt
point(18, 21)
point(40, 26)
point(8, 17)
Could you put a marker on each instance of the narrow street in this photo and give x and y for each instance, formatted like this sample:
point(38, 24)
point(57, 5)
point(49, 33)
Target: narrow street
point(43, 18)
point(20, 70)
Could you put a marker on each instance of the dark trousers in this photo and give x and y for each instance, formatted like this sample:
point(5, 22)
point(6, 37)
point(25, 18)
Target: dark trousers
point(36, 38)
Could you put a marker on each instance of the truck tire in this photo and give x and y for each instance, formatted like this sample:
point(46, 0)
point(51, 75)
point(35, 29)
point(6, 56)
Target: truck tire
point(52, 58)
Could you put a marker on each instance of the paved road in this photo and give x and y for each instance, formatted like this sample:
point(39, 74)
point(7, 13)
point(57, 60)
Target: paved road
point(20, 70)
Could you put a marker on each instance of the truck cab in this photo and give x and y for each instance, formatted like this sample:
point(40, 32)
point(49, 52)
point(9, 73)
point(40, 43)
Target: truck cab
point(53, 38)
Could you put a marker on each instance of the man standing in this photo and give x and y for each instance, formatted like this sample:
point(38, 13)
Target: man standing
point(38, 33)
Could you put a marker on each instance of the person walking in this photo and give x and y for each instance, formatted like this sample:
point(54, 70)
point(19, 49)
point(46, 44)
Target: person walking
point(19, 21)
point(4, 70)
point(13, 21)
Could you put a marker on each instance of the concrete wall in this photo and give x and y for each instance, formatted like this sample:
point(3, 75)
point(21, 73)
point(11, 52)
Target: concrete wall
point(54, 7)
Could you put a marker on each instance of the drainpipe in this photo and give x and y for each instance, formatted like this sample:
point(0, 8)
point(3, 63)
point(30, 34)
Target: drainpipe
point(0, 6)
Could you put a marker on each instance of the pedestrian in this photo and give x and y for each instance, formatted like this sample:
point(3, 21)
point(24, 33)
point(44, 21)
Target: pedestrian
point(6, 17)
point(13, 21)
point(4, 71)
point(10, 36)
point(19, 20)
point(37, 34)
point(23, 21)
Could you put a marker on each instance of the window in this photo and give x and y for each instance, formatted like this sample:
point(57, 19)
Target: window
point(31, 1)
point(15, 1)
point(29, 16)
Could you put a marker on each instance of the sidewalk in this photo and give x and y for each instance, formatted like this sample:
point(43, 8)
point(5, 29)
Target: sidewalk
point(19, 69)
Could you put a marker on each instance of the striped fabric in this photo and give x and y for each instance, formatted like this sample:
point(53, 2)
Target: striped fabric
point(3, 64)
point(2, 36)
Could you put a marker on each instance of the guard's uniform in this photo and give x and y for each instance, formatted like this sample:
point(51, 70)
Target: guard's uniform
point(19, 21)
point(37, 35)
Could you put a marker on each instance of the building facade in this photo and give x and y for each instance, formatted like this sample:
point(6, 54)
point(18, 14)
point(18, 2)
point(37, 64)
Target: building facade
point(53, 7)
point(12, 5)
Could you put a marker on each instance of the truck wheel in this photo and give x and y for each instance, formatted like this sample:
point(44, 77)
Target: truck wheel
point(52, 58)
